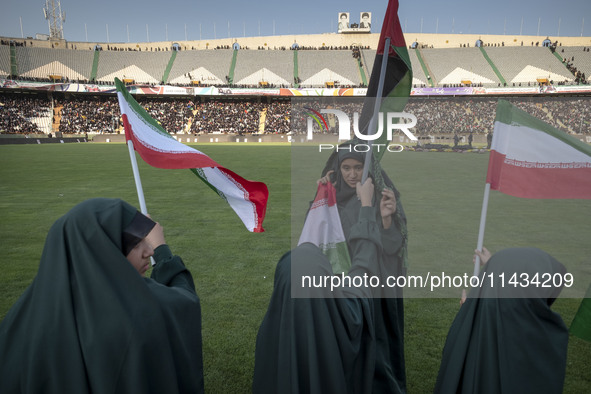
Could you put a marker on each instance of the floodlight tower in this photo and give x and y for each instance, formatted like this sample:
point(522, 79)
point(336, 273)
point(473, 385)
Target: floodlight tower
point(55, 18)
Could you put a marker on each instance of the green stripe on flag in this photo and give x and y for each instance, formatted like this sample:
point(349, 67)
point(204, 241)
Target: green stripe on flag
point(138, 109)
point(511, 115)
point(338, 255)
point(201, 174)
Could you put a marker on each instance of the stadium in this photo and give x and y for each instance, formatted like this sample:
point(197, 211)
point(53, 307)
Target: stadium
point(62, 135)
point(179, 80)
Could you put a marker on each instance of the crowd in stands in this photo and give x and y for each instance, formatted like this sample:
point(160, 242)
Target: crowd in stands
point(17, 113)
point(101, 114)
point(333, 47)
point(356, 53)
point(81, 115)
point(579, 76)
point(477, 115)
point(172, 114)
point(240, 117)
point(277, 119)
point(467, 116)
point(15, 43)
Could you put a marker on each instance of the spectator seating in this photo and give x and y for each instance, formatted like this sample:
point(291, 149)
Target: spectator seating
point(454, 65)
point(273, 67)
point(142, 67)
point(518, 65)
point(25, 115)
point(582, 58)
point(316, 67)
point(210, 67)
point(42, 62)
point(522, 65)
point(435, 115)
point(4, 60)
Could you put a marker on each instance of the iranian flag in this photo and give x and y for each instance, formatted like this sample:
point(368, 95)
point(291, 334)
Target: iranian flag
point(159, 149)
point(323, 229)
point(532, 159)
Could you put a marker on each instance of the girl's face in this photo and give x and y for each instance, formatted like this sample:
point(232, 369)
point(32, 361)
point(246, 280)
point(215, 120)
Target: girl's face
point(139, 256)
point(352, 171)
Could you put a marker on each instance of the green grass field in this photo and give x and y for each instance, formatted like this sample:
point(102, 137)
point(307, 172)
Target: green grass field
point(233, 269)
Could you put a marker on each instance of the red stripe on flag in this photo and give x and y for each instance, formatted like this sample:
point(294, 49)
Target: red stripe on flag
point(126, 127)
point(256, 192)
point(391, 28)
point(535, 182)
point(166, 160)
point(326, 194)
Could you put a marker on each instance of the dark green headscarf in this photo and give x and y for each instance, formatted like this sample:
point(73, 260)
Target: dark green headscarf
point(507, 339)
point(90, 323)
point(313, 345)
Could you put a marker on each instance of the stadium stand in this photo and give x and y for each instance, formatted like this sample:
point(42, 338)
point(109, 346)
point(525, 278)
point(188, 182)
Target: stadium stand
point(419, 79)
point(81, 114)
point(209, 67)
point(459, 66)
point(554, 75)
point(25, 115)
point(523, 65)
point(487, 66)
point(62, 64)
point(317, 67)
point(4, 60)
point(141, 67)
point(272, 67)
point(579, 58)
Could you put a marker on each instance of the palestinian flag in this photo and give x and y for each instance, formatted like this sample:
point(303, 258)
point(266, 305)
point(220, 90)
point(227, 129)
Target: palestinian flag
point(397, 79)
point(532, 159)
point(323, 229)
point(159, 149)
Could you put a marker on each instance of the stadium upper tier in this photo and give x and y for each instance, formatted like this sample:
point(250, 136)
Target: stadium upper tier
point(330, 61)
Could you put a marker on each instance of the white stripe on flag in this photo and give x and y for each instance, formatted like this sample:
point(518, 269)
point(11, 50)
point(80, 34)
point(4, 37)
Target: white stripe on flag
point(323, 228)
point(531, 159)
point(523, 143)
point(157, 148)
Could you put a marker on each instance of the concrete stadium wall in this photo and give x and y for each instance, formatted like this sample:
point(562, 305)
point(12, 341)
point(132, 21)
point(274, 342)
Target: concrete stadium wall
point(314, 40)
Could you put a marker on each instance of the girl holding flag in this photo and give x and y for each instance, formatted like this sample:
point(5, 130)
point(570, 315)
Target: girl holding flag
point(91, 321)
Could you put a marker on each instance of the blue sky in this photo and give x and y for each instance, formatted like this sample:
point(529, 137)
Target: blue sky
point(116, 21)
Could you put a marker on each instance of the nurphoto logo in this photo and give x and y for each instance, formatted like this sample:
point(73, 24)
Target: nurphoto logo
point(394, 121)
